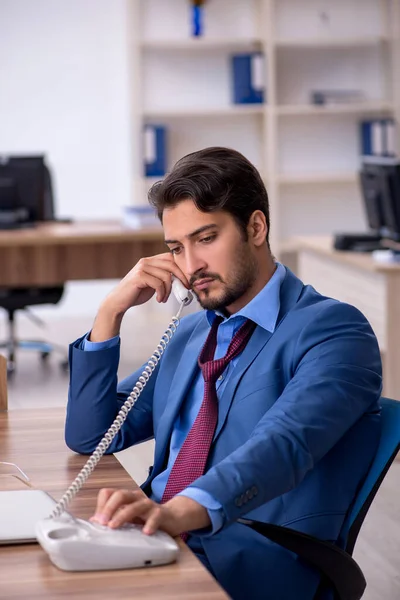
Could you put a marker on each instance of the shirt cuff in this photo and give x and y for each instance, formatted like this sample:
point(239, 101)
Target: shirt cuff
point(89, 346)
point(214, 509)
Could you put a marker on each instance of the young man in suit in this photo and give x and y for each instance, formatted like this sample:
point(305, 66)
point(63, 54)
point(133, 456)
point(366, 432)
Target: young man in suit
point(264, 404)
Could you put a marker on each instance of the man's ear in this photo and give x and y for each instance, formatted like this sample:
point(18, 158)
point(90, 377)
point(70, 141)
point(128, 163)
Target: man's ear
point(257, 228)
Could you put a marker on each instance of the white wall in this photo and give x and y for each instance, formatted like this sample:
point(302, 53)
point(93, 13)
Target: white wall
point(64, 91)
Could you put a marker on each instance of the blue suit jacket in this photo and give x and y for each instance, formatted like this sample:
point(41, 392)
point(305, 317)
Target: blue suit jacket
point(297, 428)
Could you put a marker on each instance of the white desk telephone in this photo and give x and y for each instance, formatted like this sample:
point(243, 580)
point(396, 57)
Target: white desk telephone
point(78, 545)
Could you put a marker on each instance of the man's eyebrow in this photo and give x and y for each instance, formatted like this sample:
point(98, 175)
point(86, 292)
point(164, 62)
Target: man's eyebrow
point(194, 233)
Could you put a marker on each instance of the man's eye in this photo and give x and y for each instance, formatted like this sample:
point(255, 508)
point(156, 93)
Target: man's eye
point(208, 239)
point(175, 250)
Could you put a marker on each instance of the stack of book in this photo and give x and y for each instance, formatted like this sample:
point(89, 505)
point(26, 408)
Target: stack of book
point(140, 217)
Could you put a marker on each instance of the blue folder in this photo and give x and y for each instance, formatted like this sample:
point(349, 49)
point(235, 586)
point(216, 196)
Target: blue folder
point(248, 78)
point(155, 155)
point(378, 137)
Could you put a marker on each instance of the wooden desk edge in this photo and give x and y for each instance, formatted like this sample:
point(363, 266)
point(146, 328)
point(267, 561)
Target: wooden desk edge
point(82, 232)
point(3, 384)
point(359, 260)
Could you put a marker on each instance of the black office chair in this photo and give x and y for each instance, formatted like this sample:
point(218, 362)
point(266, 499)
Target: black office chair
point(339, 570)
point(26, 197)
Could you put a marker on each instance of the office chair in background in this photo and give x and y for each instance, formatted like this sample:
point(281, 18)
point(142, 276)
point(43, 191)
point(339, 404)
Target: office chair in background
point(26, 197)
point(339, 570)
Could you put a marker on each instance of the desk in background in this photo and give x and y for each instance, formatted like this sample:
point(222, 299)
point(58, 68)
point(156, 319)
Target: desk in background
point(53, 253)
point(374, 288)
point(34, 440)
point(3, 384)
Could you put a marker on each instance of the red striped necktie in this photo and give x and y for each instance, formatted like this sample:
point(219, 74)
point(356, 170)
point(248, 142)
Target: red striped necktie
point(191, 461)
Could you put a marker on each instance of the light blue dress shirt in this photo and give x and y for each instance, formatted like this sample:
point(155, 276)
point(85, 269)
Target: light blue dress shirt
point(263, 310)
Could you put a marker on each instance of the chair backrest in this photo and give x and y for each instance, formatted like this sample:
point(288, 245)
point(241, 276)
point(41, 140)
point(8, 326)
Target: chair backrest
point(389, 446)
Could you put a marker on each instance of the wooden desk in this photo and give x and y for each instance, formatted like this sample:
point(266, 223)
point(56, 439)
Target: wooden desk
point(374, 288)
point(54, 253)
point(3, 384)
point(33, 439)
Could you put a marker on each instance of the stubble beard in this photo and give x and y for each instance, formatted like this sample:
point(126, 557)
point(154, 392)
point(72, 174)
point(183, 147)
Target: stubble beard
point(243, 277)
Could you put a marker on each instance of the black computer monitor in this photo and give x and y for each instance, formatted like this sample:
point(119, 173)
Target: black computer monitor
point(22, 190)
point(380, 183)
point(9, 197)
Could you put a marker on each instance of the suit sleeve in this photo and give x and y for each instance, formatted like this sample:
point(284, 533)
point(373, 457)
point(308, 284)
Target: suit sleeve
point(336, 379)
point(95, 397)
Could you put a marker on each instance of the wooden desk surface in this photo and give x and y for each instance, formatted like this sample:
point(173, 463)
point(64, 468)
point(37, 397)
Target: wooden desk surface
point(51, 254)
point(3, 384)
point(360, 260)
point(44, 234)
point(33, 439)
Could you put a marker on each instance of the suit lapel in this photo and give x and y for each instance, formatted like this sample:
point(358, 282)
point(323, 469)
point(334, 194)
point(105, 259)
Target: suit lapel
point(182, 378)
point(291, 289)
point(256, 343)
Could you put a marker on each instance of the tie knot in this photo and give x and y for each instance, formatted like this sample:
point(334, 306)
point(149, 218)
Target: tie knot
point(212, 369)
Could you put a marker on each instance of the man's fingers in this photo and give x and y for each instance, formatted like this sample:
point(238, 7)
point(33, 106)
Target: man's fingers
point(117, 507)
point(153, 521)
point(161, 280)
point(111, 503)
point(132, 511)
point(157, 283)
point(166, 263)
point(102, 499)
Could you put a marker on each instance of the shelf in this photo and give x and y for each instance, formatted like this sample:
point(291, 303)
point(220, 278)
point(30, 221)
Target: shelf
point(223, 111)
point(316, 178)
point(310, 152)
point(333, 109)
point(202, 43)
point(351, 42)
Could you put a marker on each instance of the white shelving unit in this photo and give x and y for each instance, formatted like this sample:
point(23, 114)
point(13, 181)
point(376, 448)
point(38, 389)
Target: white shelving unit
point(308, 155)
point(220, 111)
point(365, 108)
point(230, 44)
point(326, 42)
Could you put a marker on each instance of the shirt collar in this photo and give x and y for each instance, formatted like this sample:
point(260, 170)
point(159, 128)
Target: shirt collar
point(264, 308)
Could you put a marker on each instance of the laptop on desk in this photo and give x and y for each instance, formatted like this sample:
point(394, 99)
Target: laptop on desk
point(20, 510)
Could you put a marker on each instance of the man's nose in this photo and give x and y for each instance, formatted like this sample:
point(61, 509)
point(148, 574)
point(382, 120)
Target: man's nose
point(194, 263)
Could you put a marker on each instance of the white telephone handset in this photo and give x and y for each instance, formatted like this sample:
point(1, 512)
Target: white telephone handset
point(78, 545)
point(183, 295)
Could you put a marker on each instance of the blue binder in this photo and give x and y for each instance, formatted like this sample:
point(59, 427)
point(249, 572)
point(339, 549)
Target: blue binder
point(155, 155)
point(378, 137)
point(366, 139)
point(248, 78)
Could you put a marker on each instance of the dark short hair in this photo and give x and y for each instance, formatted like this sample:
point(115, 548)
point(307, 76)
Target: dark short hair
point(215, 179)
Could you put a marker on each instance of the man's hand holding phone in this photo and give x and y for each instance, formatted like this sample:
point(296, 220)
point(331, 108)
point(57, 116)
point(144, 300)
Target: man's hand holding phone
point(149, 276)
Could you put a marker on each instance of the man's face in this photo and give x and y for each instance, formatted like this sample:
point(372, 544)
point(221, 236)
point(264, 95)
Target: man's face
point(211, 251)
